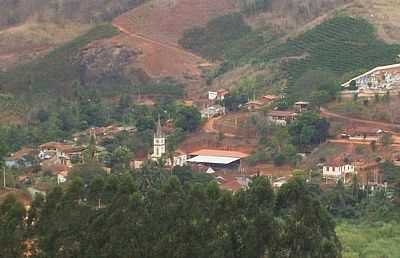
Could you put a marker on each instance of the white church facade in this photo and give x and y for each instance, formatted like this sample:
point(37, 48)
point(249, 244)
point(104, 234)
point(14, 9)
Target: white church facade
point(159, 150)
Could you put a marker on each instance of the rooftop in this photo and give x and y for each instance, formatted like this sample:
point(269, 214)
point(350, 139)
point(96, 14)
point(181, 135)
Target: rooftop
point(219, 153)
point(21, 153)
point(213, 160)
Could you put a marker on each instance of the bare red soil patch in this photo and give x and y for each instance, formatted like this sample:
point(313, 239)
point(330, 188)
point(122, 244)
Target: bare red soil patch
point(165, 21)
point(155, 28)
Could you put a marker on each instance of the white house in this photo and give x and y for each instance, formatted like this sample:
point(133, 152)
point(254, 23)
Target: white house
point(282, 117)
point(213, 111)
point(217, 95)
point(337, 170)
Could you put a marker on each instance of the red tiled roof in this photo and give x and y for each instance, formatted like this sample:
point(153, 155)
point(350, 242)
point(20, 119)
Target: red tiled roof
point(58, 168)
point(62, 147)
point(271, 97)
point(232, 185)
point(21, 153)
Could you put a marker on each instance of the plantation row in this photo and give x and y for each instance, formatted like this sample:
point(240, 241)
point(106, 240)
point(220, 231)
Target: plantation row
point(340, 45)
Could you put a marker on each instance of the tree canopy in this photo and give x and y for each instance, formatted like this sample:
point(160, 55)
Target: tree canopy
point(156, 214)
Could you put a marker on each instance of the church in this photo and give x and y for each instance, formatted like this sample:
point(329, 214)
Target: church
point(159, 149)
point(159, 143)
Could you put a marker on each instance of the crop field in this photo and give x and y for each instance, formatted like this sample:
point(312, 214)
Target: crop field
point(340, 45)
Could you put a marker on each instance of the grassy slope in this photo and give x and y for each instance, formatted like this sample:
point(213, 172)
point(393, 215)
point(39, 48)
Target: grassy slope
point(56, 72)
point(369, 240)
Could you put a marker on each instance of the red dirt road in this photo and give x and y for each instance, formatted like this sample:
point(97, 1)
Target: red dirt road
point(381, 125)
point(209, 127)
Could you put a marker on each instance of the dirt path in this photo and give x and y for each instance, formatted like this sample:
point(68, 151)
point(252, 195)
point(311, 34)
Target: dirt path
point(170, 47)
point(345, 141)
point(209, 127)
point(381, 125)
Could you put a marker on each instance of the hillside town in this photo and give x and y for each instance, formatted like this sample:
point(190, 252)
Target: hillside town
point(212, 128)
point(228, 164)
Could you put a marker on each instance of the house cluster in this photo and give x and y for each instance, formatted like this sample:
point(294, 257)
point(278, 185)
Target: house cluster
point(283, 118)
point(58, 158)
point(369, 134)
point(343, 168)
point(260, 103)
point(221, 164)
point(54, 158)
point(377, 80)
point(213, 107)
point(207, 160)
point(102, 133)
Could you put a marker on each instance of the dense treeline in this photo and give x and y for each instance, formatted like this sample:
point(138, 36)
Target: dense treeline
point(153, 214)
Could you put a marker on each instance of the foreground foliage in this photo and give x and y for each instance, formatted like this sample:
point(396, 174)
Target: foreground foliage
point(156, 215)
point(369, 240)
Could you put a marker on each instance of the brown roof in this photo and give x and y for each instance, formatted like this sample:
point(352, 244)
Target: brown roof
point(62, 147)
point(21, 153)
point(271, 97)
point(256, 102)
point(222, 92)
point(221, 153)
point(336, 161)
point(58, 168)
point(232, 185)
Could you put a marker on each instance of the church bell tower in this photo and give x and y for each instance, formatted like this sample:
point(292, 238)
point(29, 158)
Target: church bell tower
point(159, 142)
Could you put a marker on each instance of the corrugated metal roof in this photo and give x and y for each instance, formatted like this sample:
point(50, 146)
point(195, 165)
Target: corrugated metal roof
point(213, 160)
point(219, 153)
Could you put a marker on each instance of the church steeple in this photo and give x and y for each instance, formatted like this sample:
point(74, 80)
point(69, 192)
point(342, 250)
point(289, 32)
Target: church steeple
point(159, 142)
point(159, 133)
